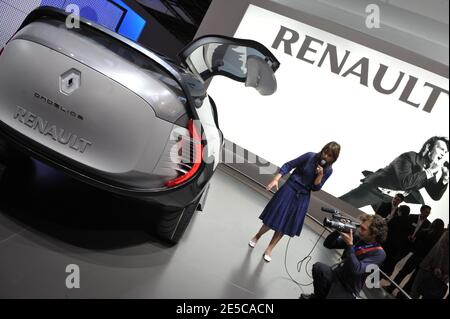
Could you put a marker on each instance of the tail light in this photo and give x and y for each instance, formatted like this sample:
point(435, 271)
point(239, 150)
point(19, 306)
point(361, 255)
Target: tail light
point(190, 150)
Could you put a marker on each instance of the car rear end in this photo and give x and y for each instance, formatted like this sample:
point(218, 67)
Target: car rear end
point(103, 109)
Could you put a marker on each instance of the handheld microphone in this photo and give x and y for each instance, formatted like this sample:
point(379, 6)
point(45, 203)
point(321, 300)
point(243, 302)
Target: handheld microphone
point(330, 210)
point(323, 163)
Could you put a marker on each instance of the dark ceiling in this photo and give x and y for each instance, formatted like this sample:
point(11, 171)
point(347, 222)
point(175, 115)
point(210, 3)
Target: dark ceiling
point(182, 18)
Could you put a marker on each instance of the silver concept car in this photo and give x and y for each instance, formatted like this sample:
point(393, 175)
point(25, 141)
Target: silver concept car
point(121, 117)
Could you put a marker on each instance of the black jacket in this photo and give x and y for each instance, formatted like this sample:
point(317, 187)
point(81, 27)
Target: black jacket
point(399, 228)
point(406, 173)
point(413, 219)
point(352, 271)
point(424, 243)
point(384, 209)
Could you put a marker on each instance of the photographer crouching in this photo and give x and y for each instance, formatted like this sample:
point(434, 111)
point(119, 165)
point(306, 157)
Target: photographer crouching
point(362, 251)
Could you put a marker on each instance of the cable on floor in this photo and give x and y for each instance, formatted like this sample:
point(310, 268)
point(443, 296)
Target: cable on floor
point(307, 258)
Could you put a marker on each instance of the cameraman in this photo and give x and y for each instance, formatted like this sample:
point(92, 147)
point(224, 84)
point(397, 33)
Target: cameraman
point(346, 280)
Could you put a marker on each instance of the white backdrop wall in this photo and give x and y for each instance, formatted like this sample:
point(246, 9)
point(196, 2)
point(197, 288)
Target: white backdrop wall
point(313, 105)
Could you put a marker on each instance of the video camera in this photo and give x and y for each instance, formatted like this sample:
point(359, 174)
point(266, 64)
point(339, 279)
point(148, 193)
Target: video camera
point(338, 222)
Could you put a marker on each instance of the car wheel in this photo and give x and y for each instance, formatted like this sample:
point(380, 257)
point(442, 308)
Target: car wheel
point(173, 224)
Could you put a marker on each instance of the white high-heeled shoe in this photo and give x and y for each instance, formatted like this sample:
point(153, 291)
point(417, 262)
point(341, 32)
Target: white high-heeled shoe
point(252, 243)
point(267, 258)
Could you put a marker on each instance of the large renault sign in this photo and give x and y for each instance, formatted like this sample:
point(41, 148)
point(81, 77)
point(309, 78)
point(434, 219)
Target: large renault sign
point(383, 111)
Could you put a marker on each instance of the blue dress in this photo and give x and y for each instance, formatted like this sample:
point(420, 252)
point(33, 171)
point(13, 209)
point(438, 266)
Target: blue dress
point(287, 209)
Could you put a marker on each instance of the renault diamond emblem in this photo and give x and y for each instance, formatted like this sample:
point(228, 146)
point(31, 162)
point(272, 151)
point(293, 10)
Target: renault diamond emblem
point(70, 81)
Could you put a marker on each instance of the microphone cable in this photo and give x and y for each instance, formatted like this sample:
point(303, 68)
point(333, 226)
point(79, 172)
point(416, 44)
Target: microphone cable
point(307, 258)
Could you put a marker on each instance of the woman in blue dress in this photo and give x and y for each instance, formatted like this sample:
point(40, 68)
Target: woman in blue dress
point(286, 211)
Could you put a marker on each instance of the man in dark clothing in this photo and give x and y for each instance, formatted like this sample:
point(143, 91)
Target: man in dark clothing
point(402, 235)
point(407, 174)
point(397, 239)
point(361, 252)
point(424, 242)
point(419, 222)
point(431, 281)
point(389, 209)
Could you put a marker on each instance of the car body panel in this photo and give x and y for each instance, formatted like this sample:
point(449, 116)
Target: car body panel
point(111, 115)
point(115, 114)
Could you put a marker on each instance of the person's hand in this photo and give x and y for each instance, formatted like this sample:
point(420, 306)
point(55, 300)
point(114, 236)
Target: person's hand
point(273, 183)
point(411, 238)
point(319, 170)
point(347, 237)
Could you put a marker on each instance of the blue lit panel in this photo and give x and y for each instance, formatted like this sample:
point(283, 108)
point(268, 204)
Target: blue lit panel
point(112, 14)
point(99, 11)
point(133, 24)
